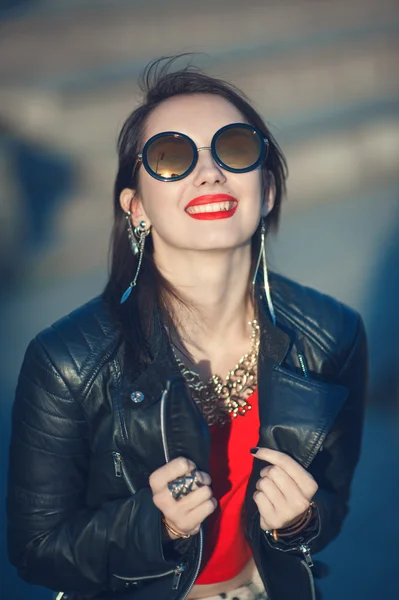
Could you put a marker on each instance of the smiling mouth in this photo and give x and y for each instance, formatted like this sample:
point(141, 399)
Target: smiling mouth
point(213, 207)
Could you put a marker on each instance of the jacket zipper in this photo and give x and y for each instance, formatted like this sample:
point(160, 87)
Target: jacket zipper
point(306, 553)
point(178, 574)
point(307, 566)
point(163, 426)
point(117, 463)
point(303, 364)
point(176, 578)
point(197, 568)
point(303, 548)
point(120, 471)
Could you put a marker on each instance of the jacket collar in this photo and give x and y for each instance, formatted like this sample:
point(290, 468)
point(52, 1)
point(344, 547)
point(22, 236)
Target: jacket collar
point(152, 379)
point(275, 341)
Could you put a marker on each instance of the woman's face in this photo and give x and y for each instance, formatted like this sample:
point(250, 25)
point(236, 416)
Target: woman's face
point(163, 205)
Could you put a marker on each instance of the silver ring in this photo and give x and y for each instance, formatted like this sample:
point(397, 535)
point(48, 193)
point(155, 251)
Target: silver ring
point(182, 486)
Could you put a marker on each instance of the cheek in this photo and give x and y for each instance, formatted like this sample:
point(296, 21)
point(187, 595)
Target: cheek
point(252, 199)
point(251, 184)
point(159, 199)
point(250, 190)
point(257, 183)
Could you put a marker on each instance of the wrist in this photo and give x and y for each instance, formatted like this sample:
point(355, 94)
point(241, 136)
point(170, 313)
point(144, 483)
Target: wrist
point(167, 536)
point(296, 526)
point(293, 522)
point(171, 533)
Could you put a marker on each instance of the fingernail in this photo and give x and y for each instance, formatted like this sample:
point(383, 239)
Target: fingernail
point(254, 450)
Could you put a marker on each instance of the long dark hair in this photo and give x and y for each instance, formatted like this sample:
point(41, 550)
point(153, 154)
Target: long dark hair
point(161, 80)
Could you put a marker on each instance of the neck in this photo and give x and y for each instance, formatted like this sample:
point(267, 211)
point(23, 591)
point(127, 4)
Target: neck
point(214, 285)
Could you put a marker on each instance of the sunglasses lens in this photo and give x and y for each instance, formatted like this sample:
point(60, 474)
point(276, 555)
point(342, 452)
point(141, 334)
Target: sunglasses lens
point(169, 156)
point(238, 148)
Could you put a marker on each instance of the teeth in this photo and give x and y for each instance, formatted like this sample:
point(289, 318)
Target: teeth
point(214, 207)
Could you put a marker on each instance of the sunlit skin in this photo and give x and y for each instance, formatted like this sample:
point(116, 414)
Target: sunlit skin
point(208, 262)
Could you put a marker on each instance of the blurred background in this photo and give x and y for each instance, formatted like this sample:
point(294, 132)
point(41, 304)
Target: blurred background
point(325, 77)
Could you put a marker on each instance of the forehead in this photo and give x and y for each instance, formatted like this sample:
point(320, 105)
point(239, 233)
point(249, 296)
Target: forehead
point(198, 116)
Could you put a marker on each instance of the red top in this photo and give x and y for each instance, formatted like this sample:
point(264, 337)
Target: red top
point(226, 550)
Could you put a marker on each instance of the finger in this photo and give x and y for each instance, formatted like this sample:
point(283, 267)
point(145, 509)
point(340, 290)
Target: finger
point(290, 490)
point(190, 522)
point(264, 525)
point(193, 500)
point(267, 487)
point(203, 478)
point(297, 495)
point(301, 477)
point(265, 507)
point(172, 470)
point(265, 471)
point(198, 515)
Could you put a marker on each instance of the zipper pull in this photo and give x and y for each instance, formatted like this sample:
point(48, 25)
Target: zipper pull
point(117, 463)
point(306, 553)
point(303, 364)
point(177, 576)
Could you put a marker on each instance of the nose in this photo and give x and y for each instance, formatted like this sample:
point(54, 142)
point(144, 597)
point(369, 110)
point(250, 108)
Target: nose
point(207, 171)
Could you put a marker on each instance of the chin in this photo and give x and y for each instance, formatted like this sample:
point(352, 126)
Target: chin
point(220, 241)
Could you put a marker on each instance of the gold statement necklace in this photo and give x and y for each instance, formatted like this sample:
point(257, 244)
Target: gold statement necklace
point(219, 400)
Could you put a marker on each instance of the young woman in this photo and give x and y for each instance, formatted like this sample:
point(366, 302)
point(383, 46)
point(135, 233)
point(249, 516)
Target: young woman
point(193, 431)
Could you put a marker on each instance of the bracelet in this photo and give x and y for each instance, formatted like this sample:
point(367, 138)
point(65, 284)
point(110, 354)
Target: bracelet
point(293, 527)
point(185, 536)
point(299, 523)
point(296, 527)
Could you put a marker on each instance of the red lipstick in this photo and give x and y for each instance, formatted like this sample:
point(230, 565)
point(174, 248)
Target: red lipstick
point(228, 206)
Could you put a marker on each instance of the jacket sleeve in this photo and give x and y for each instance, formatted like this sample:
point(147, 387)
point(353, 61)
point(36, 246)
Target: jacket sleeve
point(334, 466)
point(54, 539)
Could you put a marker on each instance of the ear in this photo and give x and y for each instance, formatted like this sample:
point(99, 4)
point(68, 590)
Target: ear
point(269, 193)
point(129, 200)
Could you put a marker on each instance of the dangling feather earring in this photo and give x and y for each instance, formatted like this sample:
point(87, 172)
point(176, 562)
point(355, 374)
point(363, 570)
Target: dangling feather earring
point(137, 237)
point(262, 257)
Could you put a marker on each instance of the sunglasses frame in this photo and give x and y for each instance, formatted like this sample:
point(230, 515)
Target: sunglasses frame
point(142, 157)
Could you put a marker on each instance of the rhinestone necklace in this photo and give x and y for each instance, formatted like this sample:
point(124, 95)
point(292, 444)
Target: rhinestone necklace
point(220, 400)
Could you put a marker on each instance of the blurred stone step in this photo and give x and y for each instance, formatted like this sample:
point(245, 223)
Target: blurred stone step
point(282, 87)
point(57, 52)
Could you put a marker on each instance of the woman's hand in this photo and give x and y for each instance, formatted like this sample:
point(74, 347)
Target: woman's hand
point(186, 514)
point(284, 490)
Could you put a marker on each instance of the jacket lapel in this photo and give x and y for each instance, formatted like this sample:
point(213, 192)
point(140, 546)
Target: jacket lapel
point(157, 413)
point(295, 412)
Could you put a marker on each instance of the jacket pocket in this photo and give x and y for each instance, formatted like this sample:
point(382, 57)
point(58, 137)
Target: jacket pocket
point(129, 582)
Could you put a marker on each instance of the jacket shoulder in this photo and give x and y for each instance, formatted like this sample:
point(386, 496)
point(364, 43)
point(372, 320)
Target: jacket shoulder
point(327, 322)
point(79, 342)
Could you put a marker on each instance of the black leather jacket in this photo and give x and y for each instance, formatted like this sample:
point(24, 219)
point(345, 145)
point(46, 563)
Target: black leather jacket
point(80, 510)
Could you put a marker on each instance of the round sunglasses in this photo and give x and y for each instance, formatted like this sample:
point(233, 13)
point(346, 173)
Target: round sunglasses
point(170, 156)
